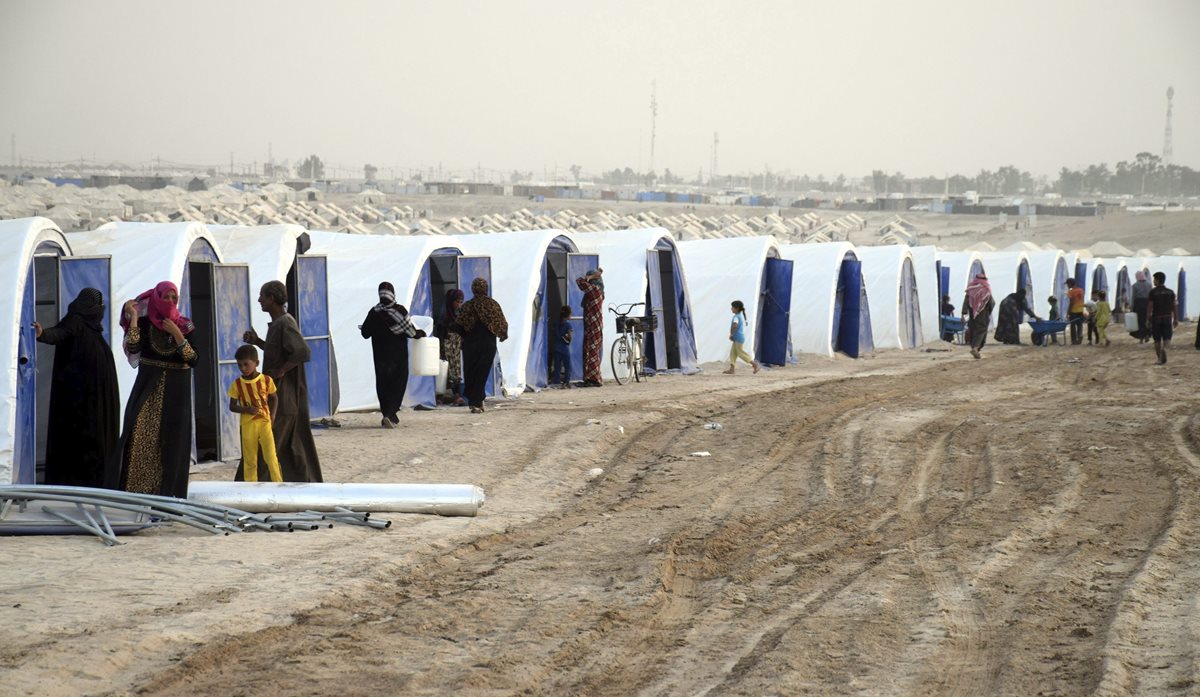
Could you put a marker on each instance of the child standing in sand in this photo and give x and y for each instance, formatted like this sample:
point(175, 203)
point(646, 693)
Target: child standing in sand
point(1101, 316)
point(737, 335)
point(253, 396)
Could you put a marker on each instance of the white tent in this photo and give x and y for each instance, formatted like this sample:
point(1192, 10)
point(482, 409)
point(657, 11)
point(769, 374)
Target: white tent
point(819, 300)
point(1009, 272)
point(1177, 275)
point(892, 289)
point(356, 265)
point(277, 253)
point(20, 241)
point(929, 285)
point(519, 284)
point(724, 270)
point(634, 270)
point(960, 268)
point(1119, 280)
point(1050, 274)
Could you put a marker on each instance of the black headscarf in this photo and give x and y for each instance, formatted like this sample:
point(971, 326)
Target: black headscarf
point(89, 305)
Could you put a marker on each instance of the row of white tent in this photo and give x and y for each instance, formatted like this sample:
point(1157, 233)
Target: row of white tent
point(818, 299)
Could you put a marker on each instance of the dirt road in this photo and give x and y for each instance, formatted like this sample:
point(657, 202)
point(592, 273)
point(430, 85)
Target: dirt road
point(923, 525)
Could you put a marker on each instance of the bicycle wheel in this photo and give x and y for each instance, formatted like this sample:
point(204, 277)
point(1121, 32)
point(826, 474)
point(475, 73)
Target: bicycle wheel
point(637, 358)
point(619, 356)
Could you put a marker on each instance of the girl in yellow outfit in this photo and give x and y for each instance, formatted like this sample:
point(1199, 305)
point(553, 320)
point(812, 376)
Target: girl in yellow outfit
point(1102, 317)
point(253, 396)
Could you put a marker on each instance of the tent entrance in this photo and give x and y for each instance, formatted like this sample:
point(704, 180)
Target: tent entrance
point(1181, 296)
point(219, 302)
point(469, 269)
point(47, 311)
point(443, 277)
point(308, 302)
point(852, 319)
point(661, 299)
point(577, 265)
point(910, 307)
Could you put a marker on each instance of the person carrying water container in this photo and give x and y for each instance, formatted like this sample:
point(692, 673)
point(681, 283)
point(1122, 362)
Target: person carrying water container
point(737, 335)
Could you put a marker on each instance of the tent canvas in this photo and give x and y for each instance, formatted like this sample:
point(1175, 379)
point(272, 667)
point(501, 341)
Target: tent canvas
point(820, 307)
point(633, 263)
point(22, 241)
point(926, 268)
point(721, 271)
point(962, 268)
point(1050, 274)
point(273, 253)
point(894, 296)
point(356, 265)
point(519, 284)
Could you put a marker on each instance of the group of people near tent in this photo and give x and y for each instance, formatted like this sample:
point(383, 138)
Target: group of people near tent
point(153, 451)
point(1156, 313)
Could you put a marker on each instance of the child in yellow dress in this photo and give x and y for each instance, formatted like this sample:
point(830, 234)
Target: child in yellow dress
point(253, 396)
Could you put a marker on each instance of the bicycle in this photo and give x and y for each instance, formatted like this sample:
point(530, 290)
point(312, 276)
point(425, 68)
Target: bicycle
point(628, 356)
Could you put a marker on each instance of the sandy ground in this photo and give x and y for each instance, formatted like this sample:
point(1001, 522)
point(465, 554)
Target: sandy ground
point(912, 523)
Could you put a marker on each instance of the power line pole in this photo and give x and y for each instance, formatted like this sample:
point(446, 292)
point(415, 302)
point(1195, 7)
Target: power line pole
point(712, 170)
point(1168, 146)
point(14, 150)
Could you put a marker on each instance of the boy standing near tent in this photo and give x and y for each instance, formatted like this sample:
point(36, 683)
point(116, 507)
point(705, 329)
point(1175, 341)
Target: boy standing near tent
point(253, 396)
point(560, 359)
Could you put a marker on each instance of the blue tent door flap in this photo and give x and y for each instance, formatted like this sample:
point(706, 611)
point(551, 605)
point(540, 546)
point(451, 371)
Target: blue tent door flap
point(1081, 276)
point(77, 273)
point(577, 266)
point(25, 437)
point(231, 313)
point(312, 315)
point(469, 269)
point(848, 326)
point(774, 312)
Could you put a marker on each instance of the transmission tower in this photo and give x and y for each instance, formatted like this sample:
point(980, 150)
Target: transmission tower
point(712, 171)
point(1168, 146)
point(653, 118)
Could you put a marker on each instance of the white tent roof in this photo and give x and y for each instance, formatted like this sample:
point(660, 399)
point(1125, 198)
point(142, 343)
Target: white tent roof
point(143, 254)
point(882, 269)
point(356, 265)
point(721, 271)
point(1191, 296)
point(269, 251)
point(623, 257)
point(19, 239)
point(1022, 246)
point(1002, 270)
point(517, 269)
point(929, 286)
point(815, 272)
point(1109, 249)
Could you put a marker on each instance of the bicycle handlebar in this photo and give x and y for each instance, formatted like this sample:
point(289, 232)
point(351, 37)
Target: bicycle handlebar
point(628, 308)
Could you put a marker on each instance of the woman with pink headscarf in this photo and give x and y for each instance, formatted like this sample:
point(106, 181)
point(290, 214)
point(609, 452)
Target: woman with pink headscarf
point(155, 449)
point(977, 312)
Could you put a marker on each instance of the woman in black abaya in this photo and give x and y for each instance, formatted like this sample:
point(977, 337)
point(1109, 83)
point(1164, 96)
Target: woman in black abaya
point(83, 427)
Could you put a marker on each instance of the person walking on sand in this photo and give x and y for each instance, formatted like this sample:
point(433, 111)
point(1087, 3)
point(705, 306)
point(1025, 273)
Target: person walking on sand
point(389, 328)
point(737, 335)
point(481, 323)
point(1160, 309)
point(1101, 316)
point(978, 305)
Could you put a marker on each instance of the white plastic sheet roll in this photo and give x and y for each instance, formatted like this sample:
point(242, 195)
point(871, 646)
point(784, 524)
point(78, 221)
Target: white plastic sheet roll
point(270, 497)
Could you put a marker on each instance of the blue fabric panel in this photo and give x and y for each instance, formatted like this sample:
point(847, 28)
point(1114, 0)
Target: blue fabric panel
point(1081, 277)
point(943, 282)
point(1181, 296)
point(231, 297)
point(775, 308)
point(317, 373)
point(578, 265)
point(421, 389)
point(201, 250)
point(312, 287)
point(469, 269)
point(688, 362)
point(77, 273)
point(850, 291)
point(535, 362)
point(656, 343)
point(866, 339)
point(312, 314)
point(25, 437)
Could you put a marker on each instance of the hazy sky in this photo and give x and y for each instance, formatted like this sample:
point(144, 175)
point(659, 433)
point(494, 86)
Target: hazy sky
point(830, 87)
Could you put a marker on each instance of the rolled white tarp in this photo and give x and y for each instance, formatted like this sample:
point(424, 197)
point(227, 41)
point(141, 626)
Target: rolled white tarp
point(289, 497)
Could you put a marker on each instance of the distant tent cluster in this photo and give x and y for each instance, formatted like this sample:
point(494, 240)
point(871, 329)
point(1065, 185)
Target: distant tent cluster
point(822, 298)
